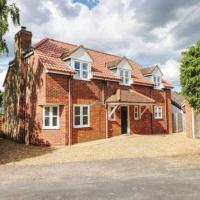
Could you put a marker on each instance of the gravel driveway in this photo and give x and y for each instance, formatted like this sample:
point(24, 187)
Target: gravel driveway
point(185, 150)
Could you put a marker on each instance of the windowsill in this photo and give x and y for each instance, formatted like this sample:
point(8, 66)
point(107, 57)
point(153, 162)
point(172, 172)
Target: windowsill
point(81, 126)
point(81, 79)
point(125, 84)
point(158, 118)
point(51, 128)
point(158, 88)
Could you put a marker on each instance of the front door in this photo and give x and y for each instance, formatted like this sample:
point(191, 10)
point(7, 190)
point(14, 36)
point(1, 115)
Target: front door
point(124, 119)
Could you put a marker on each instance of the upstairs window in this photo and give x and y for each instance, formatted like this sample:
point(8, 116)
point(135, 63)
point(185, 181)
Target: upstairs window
point(157, 81)
point(82, 70)
point(158, 112)
point(125, 76)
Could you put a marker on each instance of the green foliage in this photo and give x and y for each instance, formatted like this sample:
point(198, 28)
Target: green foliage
point(190, 75)
point(1, 98)
point(6, 11)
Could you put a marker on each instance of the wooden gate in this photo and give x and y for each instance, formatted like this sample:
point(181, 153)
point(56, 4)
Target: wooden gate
point(177, 122)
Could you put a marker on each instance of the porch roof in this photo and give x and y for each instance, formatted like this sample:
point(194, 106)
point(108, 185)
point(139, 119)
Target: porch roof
point(129, 96)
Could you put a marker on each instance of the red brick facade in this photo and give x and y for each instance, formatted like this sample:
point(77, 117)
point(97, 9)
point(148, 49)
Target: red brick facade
point(44, 88)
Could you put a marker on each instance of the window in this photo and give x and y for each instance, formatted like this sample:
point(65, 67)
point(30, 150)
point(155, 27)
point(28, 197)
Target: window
point(158, 112)
point(157, 81)
point(136, 112)
point(112, 117)
point(124, 76)
point(51, 117)
point(82, 70)
point(81, 116)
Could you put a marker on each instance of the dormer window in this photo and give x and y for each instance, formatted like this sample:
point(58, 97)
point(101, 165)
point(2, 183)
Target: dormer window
point(82, 70)
point(157, 81)
point(124, 76)
point(80, 60)
point(154, 73)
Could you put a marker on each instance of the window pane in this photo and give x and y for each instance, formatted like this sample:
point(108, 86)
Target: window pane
point(77, 68)
point(77, 65)
point(126, 74)
point(85, 66)
point(154, 78)
point(126, 80)
point(47, 121)
point(55, 121)
point(55, 111)
point(121, 76)
point(85, 120)
point(47, 111)
point(77, 110)
point(85, 110)
point(158, 81)
point(77, 120)
point(85, 74)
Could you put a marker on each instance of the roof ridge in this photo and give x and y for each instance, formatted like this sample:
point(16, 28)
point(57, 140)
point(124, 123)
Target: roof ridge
point(54, 40)
point(40, 43)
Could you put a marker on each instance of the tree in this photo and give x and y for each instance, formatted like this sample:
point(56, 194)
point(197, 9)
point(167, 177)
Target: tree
point(190, 75)
point(1, 98)
point(6, 11)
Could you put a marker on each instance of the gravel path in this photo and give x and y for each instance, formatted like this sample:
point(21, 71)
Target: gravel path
point(178, 147)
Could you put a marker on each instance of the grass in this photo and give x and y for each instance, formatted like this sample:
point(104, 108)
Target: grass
point(177, 147)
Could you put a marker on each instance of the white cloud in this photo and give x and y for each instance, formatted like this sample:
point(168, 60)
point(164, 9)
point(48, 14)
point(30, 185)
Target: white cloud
point(171, 71)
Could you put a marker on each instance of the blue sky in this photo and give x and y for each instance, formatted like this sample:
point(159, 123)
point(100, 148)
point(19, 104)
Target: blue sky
point(90, 3)
point(149, 32)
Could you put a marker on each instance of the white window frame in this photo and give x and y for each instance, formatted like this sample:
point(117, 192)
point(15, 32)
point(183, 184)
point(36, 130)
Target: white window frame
point(51, 117)
point(123, 77)
point(81, 69)
point(136, 112)
point(156, 82)
point(112, 117)
point(81, 116)
point(158, 114)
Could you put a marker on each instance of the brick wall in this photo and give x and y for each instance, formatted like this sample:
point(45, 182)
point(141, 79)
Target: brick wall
point(188, 120)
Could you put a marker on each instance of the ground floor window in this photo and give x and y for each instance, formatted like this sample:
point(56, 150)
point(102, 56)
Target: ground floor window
point(51, 117)
point(136, 113)
point(110, 110)
point(158, 112)
point(81, 116)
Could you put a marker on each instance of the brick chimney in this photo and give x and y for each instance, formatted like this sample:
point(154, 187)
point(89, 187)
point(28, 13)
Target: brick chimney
point(23, 40)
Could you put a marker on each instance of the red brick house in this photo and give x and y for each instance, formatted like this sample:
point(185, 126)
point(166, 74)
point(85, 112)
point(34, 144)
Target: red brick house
point(61, 93)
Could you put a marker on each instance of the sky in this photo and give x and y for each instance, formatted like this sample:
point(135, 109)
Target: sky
point(149, 32)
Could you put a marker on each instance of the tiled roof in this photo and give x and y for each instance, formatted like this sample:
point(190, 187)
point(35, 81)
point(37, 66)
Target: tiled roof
point(129, 96)
point(50, 52)
point(148, 70)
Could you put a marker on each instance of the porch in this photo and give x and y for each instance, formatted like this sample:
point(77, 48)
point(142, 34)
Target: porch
point(125, 110)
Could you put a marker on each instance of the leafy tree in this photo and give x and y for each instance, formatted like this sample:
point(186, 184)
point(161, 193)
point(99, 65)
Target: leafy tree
point(190, 75)
point(6, 11)
point(1, 98)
